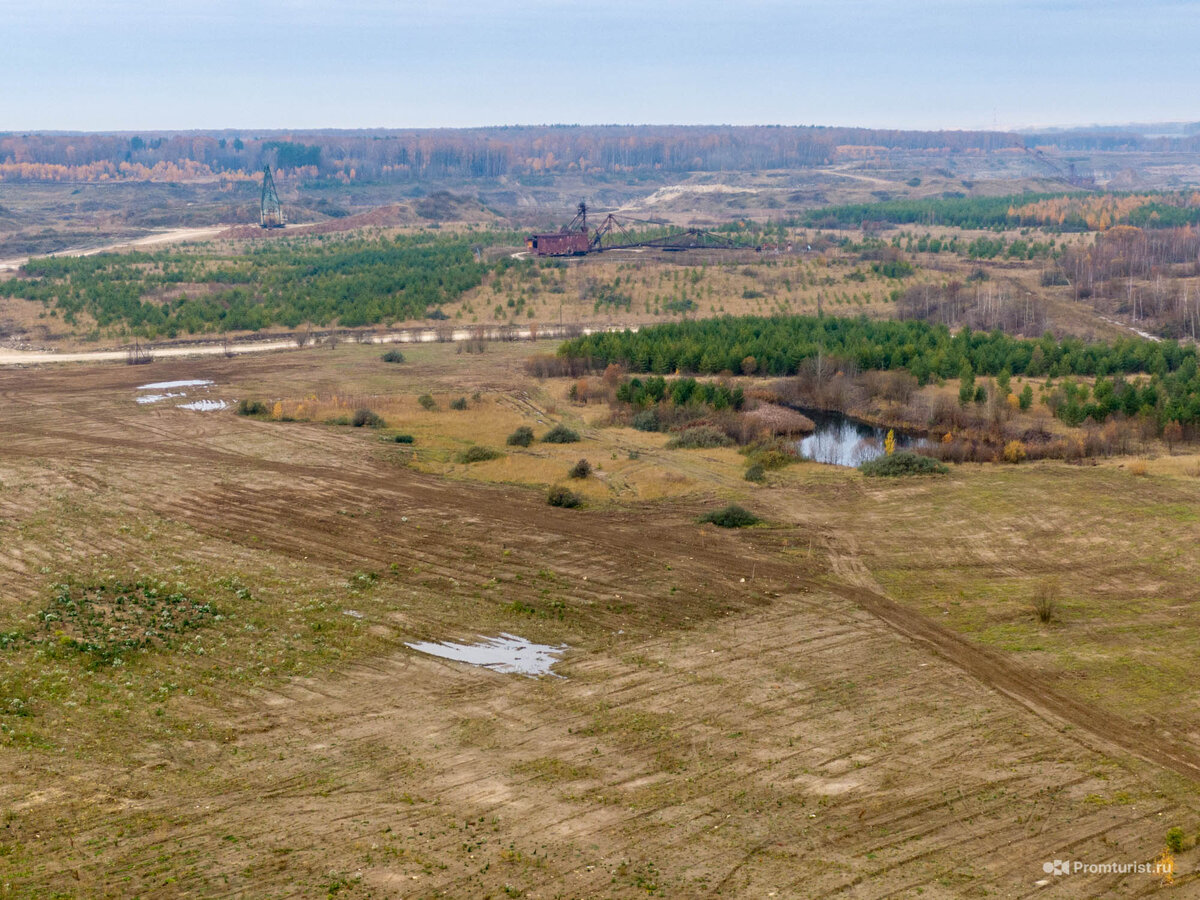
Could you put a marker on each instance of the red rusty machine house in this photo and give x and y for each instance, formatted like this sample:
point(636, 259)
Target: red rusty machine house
point(573, 240)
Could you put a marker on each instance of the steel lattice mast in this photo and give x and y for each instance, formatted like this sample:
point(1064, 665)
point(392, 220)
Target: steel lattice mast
point(271, 215)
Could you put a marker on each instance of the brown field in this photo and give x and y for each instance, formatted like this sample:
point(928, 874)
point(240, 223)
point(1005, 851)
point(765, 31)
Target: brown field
point(852, 700)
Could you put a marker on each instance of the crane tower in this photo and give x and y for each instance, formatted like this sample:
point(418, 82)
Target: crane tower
point(271, 214)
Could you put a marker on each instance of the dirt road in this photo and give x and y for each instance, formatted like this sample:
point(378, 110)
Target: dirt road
point(173, 236)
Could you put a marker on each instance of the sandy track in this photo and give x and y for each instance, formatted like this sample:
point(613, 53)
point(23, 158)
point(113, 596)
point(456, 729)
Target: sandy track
point(173, 236)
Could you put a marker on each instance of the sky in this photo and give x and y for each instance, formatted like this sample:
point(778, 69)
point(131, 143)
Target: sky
point(113, 65)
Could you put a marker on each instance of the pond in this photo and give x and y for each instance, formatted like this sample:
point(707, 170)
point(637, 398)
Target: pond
point(842, 441)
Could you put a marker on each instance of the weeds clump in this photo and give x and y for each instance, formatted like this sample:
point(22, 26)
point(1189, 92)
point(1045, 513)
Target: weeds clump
point(479, 453)
point(402, 438)
point(252, 408)
point(756, 473)
point(699, 437)
point(901, 464)
point(393, 356)
point(108, 619)
point(427, 402)
point(731, 516)
point(459, 404)
point(365, 418)
point(522, 437)
point(561, 434)
point(563, 497)
point(581, 469)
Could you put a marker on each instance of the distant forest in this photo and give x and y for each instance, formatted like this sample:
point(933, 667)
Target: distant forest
point(385, 155)
point(1059, 212)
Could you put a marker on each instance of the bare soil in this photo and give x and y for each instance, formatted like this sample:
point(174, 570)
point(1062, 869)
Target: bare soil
point(742, 714)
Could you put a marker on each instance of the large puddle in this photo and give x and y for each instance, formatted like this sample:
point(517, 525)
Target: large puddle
point(506, 653)
point(841, 441)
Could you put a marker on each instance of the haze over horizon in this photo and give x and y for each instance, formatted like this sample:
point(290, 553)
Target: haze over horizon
point(110, 65)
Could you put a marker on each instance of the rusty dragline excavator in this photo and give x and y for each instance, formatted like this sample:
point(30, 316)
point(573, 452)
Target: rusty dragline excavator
point(271, 210)
point(617, 233)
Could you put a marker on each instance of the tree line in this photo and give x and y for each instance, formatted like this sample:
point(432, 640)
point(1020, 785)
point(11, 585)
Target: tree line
point(411, 154)
point(781, 345)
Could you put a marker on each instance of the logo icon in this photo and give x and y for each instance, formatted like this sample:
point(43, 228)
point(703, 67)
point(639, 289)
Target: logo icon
point(1058, 867)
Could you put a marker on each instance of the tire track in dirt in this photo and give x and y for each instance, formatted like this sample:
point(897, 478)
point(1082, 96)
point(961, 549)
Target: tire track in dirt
point(1004, 676)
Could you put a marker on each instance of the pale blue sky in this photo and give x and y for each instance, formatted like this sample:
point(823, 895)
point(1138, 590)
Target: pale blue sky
point(115, 65)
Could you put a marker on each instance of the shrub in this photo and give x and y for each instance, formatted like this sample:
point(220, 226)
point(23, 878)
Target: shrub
point(1045, 600)
point(427, 401)
point(756, 473)
point(478, 453)
point(366, 418)
point(646, 420)
point(773, 454)
point(903, 463)
point(581, 469)
point(403, 438)
point(1014, 452)
point(522, 437)
point(460, 403)
point(699, 437)
point(561, 434)
point(393, 356)
point(252, 408)
point(731, 516)
point(1175, 839)
point(561, 496)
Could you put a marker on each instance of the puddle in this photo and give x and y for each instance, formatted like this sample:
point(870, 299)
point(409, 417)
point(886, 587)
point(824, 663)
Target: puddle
point(506, 653)
point(167, 385)
point(155, 398)
point(204, 405)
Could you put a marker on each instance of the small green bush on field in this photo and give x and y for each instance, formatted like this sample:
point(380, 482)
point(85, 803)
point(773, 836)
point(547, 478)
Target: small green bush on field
point(756, 473)
point(561, 496)
point(561, 434)
point(403, 438)
point(479, 453)
point(393, 356)
point(427, 401)
point(581, 469)
point(366, 418)
point(772, 454)
point(522, 437)
point(460, 403)
point(646, 420)
point(699, 437)
point(902, 463)
point(252, 408)
point(731, 516)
